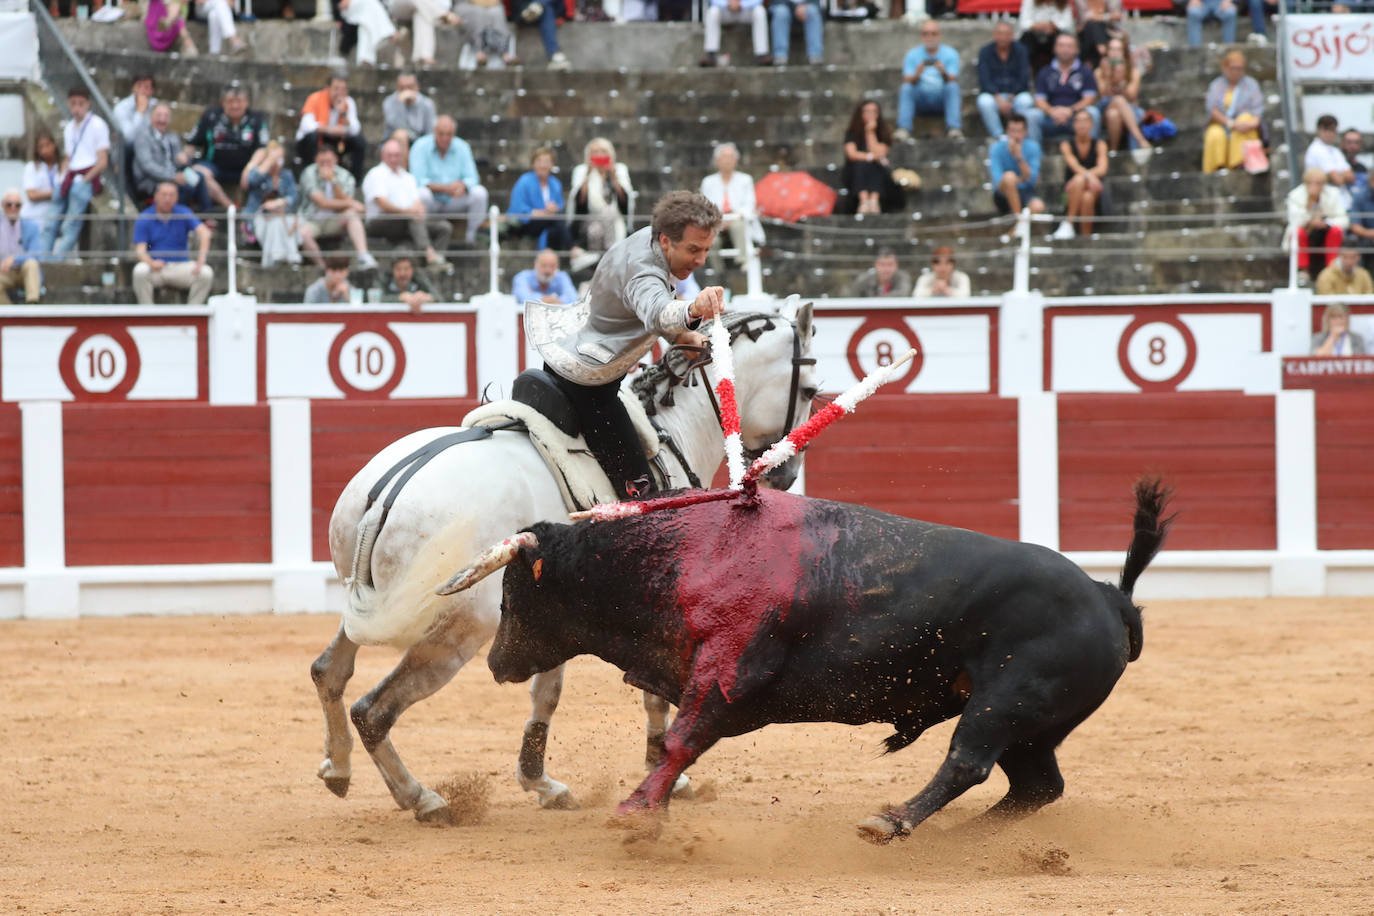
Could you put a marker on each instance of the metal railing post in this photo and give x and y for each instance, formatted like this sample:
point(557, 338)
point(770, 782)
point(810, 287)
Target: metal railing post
point(230, 220)
point(1288, 96)
point(1293, 262)
point(494, 249)
point(753, 270)
point(1020, 282)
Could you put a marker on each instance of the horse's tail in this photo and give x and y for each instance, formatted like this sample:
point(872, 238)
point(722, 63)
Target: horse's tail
point(1151, 528)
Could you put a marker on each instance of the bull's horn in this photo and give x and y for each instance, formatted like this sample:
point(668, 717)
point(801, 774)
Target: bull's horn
point(489, 562)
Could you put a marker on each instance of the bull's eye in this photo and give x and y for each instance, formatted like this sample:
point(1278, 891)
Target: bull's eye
point(538, 568)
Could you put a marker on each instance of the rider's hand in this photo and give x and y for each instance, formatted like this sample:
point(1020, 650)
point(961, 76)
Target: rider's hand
point(691, 339)
point(709, 303)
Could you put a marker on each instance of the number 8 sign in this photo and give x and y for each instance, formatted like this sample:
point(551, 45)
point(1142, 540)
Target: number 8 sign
point(1157, 353)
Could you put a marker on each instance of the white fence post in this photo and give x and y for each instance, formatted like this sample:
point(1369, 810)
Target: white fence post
point(232, 253)
point(295, 585)
point(1297, 570)
point(233, 350)
point(1020, 344)
point(50, 591)
point(1037, 467)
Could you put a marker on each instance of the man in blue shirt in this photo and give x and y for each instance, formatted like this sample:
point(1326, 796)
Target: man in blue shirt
point(443, 165)
point(1003, 79)
point(930, 84)
point(545, 283)
point(1014, 163)
point(160, 236)
point(536, 203)
point(1063, 89)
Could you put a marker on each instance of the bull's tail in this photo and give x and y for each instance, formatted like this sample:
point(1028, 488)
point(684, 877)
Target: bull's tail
point(1151, 528)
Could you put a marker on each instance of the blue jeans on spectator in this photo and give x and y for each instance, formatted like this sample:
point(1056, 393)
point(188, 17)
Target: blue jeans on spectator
point(69, 208)
point(917, 99)
point(31, 236)
point(1040, 127)
point(813, 28)
point(1022, 102)
point(1211, 9)
point(1257, 18)
point(548, 25)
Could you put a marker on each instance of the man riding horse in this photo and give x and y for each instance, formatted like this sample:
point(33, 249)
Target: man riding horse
point(631, 304)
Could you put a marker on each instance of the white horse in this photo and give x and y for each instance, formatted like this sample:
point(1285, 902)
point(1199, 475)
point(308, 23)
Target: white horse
point(480, 491)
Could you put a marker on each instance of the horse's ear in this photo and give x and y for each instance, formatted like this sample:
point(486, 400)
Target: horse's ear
point(787, 308)
point(804, 316)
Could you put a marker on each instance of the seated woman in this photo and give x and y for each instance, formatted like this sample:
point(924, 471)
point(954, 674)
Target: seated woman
point(733, 194)
point(374, 27)
point(485, 30)
point(1335, 338)
point(1235, 107)
point(165, 24)
point(1317, 220)
point(1085, 165)
point(1041, 22)
point(1099, 21)
point(536, 205)
point(598, 199)
point(271, 205)
point(1118, 81)
point(867, 172)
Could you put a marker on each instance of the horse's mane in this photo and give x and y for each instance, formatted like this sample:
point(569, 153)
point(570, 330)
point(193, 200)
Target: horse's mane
point(654, 385)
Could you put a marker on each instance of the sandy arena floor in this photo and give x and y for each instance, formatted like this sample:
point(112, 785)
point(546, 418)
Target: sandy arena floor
point(168, 766)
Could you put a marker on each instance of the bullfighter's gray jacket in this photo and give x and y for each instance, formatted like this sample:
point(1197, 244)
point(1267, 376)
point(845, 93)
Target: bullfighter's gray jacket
point(630, 304)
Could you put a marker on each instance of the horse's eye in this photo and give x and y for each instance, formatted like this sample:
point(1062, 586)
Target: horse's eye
point(809, 393)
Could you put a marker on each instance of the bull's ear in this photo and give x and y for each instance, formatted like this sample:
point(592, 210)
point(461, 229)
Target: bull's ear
point(533, 559)
point(804, 326)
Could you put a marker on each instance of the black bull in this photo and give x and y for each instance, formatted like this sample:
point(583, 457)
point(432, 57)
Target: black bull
point(790, 609)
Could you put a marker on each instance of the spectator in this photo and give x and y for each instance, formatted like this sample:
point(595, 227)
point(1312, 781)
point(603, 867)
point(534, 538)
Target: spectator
point(536, 204)
point(1259, 34)
point(87, 140)
point(329, 117)
point(733, 194)
point(867, 172)
point(17, 268)
point(159, 157)
point(883, 280)
point(599, 197)
point(1335, 338)
point(808, 13)
point(226, 137)
point(374, 27)
point(1003, 79)
point(942, 280)
point(1062, 89)
point(1324, 153)
point(391, 191)
point(408, 286)
point(160, 236)
point(1119, 81)
point(1042, 21)
point(1201, 10)
point(165, 26)
point(329, 208)
point(930, 84)
point(133, 112)
point(1235, 106)
point(486, 31)
point(736, 12)
point(1014, 163)
point(1099, 21)
point(444, 168)
point(545, 282)
point(1085, 162)
point(332, 288)
point(42, 178)
point(533, 11)
point(220, 18)
point(1344, 276)
point(1316, 220)
point(1360, 192)
point(408, 109)
point(424, 15)
point(271, 205)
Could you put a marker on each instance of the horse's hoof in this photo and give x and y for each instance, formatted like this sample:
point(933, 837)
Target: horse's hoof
point(437, 817)
point(337, 784)
point(563, 801)
point(335, 777)
point(881, 829)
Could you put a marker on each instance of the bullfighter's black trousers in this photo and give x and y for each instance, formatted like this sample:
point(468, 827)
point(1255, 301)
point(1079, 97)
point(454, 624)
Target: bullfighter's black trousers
point(610, 434)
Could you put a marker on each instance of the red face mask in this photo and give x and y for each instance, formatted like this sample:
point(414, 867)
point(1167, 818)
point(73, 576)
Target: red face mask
point(600, 162)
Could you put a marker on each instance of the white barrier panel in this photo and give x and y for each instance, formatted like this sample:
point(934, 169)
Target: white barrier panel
point(1330, 46)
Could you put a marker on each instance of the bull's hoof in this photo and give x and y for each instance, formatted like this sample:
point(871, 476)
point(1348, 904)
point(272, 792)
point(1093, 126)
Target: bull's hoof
point(682, 789)
point(337, 784)
point(881, 829)
point(639, 824)
point(563, 801)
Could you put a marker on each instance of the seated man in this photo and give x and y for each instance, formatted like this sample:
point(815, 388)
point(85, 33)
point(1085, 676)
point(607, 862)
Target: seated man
point(408, 286)
point(882, 279)
point(1199, 11)
point(329, 209)
point(17, 268)
point(736, 12)
point(332, 288)
point(395, 209)
point(444, 168)
point(1014, 164)
point(159, 157)
point(160, 236)
point(930, 84)
point(1344, 276)
point(226, 137)
point(536, 204)
point(1062, 89)
point(1324, 153)
point(86, 139)
point(808, 13)
point(942, 280)
point(545, 283)
point(1003, 79)
point(133, 112)
point(329, 117)
point(408, 109)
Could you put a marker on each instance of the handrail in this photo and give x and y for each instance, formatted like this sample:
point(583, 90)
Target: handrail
point(1288, 95)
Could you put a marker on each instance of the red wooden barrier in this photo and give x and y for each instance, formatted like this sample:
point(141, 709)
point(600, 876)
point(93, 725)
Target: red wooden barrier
point(11, 487)
point(1345, 476)
point(1216, 450)
point(345, 435)
point(167, 483)
point(943, 458)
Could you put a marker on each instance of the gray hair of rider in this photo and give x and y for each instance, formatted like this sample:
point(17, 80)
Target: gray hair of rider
point(677, 210)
